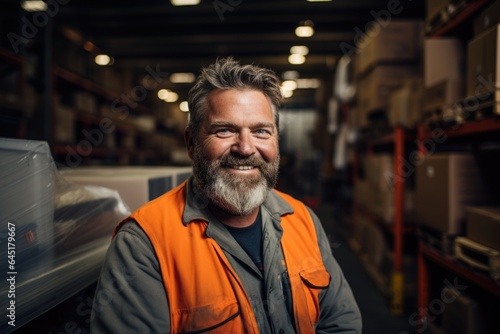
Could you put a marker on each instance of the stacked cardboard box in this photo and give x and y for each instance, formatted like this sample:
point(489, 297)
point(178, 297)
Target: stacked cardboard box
point(405, 104)
point(483, 70)
point(445, 185)
point(391, 43)
point(443, 79)
point(387, 56)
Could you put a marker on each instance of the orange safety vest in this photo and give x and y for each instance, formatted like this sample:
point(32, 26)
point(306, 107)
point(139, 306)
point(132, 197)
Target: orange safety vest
point(204, 292)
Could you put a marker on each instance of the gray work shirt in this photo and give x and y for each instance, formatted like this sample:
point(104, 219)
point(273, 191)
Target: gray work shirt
point(131, 298)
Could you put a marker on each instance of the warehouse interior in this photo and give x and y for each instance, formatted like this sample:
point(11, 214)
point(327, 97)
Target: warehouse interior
point(389, 131)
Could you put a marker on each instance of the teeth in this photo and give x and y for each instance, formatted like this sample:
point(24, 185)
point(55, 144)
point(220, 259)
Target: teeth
point(244, 167)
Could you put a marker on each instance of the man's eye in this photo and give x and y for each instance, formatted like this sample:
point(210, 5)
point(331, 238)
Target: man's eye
point(223, 132)
point(263, 132)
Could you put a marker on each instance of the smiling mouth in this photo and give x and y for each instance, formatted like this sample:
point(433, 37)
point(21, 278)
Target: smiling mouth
point(243, 167)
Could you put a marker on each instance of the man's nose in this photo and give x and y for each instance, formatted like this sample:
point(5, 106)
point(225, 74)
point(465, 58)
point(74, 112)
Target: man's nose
point(244, 143)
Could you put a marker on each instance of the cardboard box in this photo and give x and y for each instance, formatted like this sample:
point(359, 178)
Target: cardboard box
point(483, 66)
point(463, 315)
point(443, 95)
point(483, 226)
point(379, 170)
point(405, 104)
point(445, 185)
point(487, 18)
point(443, 60)
point(397, 42)
point(380, 83)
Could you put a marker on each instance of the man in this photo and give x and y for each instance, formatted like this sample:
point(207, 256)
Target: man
point(224, 252)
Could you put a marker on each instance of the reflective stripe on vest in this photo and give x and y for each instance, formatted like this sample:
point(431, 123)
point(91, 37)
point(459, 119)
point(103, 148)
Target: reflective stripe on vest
point(204, 292)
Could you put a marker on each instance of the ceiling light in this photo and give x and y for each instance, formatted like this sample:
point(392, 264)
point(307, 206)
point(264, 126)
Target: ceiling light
point(299, 49)
point(183, 106)
point(34, 6)
point(289, 85)
point(163, 93)
point(103, 60)
point(167, 95)
point(172, 97)
point(184, 2)
point(286, 93)
point(305, 29)
point(296, 59)
point(182, 77)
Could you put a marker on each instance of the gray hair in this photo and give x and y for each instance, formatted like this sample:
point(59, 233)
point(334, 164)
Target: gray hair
point(227, 73)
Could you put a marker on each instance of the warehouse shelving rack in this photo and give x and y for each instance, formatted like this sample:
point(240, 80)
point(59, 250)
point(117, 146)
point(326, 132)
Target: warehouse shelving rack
point(395, 141)
point(475, 131)
point(472, 131)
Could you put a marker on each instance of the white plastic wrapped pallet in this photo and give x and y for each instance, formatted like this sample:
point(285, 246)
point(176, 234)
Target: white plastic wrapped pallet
point(54, 234)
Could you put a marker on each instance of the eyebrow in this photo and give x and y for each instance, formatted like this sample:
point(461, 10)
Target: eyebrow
point(233, 125)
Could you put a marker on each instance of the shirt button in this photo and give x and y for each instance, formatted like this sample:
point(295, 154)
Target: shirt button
point(282, 331)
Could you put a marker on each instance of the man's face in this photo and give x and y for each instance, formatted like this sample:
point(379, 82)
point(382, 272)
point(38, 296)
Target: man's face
point(235, 155)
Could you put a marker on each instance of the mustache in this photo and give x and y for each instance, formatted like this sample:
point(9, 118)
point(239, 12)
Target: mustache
point(232, 161)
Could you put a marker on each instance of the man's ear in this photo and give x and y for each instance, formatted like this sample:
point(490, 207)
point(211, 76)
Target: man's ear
point(189, 141)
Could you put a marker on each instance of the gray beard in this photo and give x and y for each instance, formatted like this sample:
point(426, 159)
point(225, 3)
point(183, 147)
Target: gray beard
point(233, 200)
point(238, 195)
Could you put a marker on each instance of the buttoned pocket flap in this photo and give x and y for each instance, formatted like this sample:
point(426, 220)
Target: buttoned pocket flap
point(316, 278)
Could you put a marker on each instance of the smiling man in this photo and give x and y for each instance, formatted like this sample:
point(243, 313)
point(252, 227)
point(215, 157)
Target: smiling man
point(225, 252)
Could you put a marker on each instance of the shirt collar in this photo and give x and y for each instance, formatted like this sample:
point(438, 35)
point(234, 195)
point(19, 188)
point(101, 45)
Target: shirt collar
point(196, 207)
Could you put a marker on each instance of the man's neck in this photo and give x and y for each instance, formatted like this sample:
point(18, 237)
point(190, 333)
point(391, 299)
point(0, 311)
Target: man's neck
point(234, 220)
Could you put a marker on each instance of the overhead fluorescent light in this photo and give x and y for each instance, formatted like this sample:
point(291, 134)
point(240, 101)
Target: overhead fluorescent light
point(305, 29)
point(299, 49)
point(167, 95)
point(103, 60)
point(289, 85)
point(34, 6)
point(182, 77)
point(296, 59)
point(162, 94)
point(185, 2)
point(183, 106)
point(286, 93)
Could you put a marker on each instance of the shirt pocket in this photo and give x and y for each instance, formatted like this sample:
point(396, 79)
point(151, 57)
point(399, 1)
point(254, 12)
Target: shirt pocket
point(220, 317)
point(314, 281)
point(315, 278)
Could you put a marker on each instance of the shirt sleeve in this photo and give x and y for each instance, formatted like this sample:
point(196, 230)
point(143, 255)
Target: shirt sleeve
point(130, 296)
point(339, 312)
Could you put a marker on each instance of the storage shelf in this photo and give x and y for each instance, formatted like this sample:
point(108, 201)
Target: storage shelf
point(390, 138)
point(466, 129)
point(456, 267)
point(92, 87)
point(398, 139)
point(469, 10)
